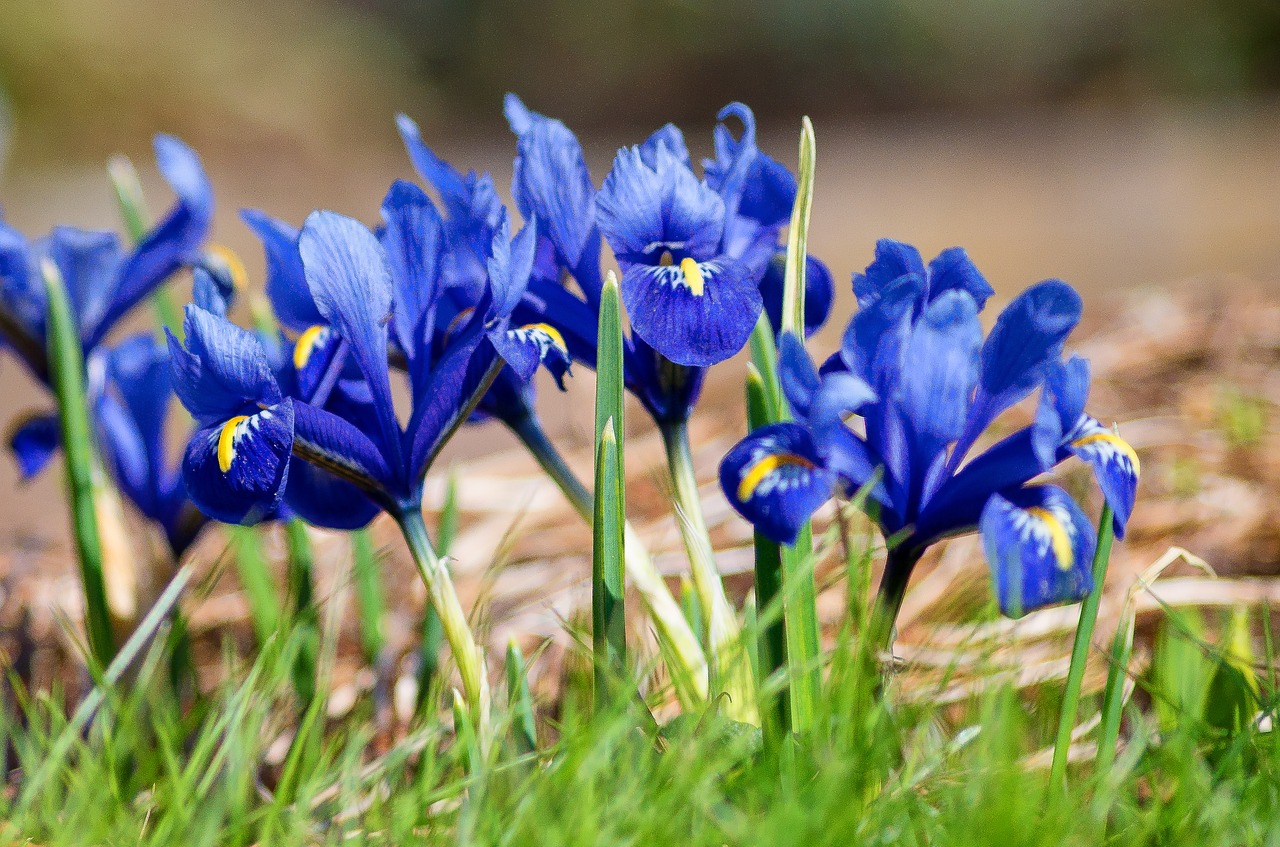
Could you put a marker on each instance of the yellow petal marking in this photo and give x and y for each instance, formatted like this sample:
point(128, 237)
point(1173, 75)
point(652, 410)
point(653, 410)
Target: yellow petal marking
point(1062, 549)
point(226, 442)
point(235, 267)
point(306, 346)
point(554, 334)
point(693, 276)
point(756, 473)
point(1116, 442)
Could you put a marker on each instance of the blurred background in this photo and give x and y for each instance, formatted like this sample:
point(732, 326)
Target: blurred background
point(1119, 144)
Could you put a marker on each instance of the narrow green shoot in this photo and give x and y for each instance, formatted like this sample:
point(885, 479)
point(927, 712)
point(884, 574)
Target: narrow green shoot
point(254, 572)
point(524, 728)
point(432, 630)
point(66, 373)
point(609, 513)
point(798, 236)
point(1080, 654)
point(306, 619)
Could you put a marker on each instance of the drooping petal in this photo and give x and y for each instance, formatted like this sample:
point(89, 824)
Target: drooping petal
point(796, 374)
point(775, 479)
point(321, 499)
point(222, 372)
point(236, 471)
point(287, 287)
point(549, 302)
point(34, 440)
point(819, 292)
point(694, 313)
point(1115, 465)
point(1061, 409)
point(525, 347)
point(172, 243)
point(347, 271)
point(551, 181)
point(333, 443)
point(952, 270)
point(1039, 545)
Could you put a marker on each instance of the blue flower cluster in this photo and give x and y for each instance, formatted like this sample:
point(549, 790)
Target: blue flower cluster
point(920, 385)
point(128, 382)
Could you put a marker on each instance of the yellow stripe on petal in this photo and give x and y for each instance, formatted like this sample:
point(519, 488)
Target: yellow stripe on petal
point(235, 267)
point(759, 471)
point(1115, 441)
point(693, 276)
point(1062, 549)
point(551, 332)
point(306, 346)
point(226, 442)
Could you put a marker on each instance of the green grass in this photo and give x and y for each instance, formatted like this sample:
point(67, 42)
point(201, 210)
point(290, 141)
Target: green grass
point(145, 772)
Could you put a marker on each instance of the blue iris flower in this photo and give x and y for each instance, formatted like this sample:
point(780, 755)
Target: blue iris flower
point(696, 254)
point(238, 467)
point(915, 368)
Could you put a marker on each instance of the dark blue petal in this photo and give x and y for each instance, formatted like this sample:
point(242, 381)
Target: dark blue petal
point(319, 358)
point(775, 479)
point(1115, 465)
point(952, 271)
point(1061, 409)
point(138, 370)
point(551, 181)
point(347, 271)
point(837, 395)
point(173, 242)
point(729, 172)
point(236, 471)
point(321, 499)
point(128, 456)
point(455, 381)
point(796, 374)
point(693, 313)
point(33, 440)
point(336, 445)
point(893, 260)
point(875, 342)
point(525, 347)
point(286, 283)
point(958, 502)
point(414, 241)
point(549, 302)
point(222, 372)
point(768, 193)
point(1040, 546)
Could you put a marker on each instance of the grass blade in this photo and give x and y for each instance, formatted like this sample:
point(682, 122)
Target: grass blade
point(369, 600)
point(524, 728)
point(254, 573)
point(1080, 654)
point(306, 618)
point(66, 373)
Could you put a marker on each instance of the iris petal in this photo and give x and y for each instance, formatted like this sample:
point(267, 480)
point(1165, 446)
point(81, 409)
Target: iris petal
point(34, 440)
point(775, 479)
point(893, 260)
point(952, 270)
point(694, 314)
point(819, 292)
point(1115, 465)
point(236, 470)
point(1039, 545)
point(414, 242)
point(286, 283)
point(222, 371)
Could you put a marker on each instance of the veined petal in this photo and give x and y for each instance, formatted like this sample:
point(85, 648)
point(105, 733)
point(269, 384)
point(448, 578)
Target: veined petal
point(551, 181)
point(287, 287)
point(694, 313)
point(1115, 465)
point(775, 479)
point(347, 271)
point(1039, 545)
point(941, 370)
point(338, 447)
point(34, 439)
point(414, 242)
point(222, 372)
point(434, 170)
point(319, 356)
point(629, 206)
point(510, 264)
point(209, 293)
point(236, 471)
point(670, 137)
point(952, 270)
point(455, 381)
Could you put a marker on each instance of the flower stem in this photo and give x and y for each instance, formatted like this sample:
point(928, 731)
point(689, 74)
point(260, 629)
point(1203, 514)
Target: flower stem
point(731, 661)
point(444, 599)
point(1080, 653)
point(685, 659)
point(893, 587)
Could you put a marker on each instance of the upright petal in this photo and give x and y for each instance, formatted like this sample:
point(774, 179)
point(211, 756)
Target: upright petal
point(510, 264)
point(88, 261)
point(236, 471)
point(347, 272)
point(953, 271)
point(551, 180)
point(893, 260)
point(414, 243)
point(434, 170)
point(775, 479)
point(287, 287)
point(1040, 547)
point(941, 370)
